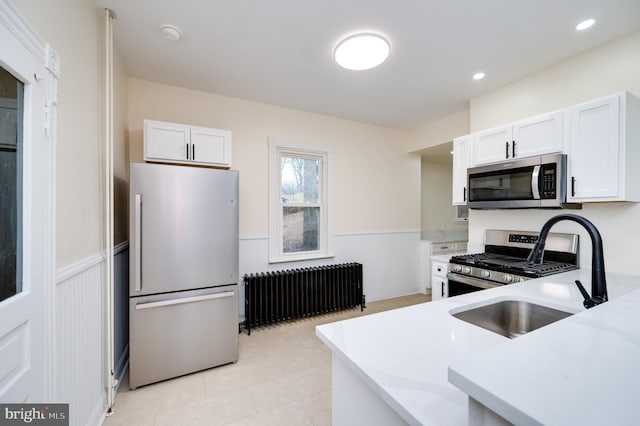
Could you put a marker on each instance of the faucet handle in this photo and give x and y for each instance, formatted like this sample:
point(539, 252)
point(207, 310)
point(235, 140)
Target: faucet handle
point(589, 302)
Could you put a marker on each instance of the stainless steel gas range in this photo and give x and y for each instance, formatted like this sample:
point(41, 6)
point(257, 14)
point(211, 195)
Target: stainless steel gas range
point(504, 260)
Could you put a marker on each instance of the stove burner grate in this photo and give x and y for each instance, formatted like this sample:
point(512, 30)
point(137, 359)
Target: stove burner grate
point(512, 265)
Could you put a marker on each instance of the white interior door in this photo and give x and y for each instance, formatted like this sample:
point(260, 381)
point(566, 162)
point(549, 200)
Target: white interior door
point(27, 243)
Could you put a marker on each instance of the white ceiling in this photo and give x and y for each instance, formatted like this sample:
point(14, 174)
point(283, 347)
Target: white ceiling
point(280, 51)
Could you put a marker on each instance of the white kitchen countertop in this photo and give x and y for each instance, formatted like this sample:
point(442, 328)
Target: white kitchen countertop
point(404, 354)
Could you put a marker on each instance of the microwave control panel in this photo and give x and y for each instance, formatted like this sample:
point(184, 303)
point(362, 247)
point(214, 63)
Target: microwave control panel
point(548, 181)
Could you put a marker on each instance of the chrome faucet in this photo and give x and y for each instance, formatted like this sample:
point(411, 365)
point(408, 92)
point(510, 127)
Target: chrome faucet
point(598, 280)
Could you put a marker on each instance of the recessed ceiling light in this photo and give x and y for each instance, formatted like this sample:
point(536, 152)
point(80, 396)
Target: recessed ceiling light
point(362, 51)
point(171, 32)
point(478, 76)
point(587, 23)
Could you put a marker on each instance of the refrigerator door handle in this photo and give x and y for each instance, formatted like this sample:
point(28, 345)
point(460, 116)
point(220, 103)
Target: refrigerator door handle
point(138, 242)
point(150, 305)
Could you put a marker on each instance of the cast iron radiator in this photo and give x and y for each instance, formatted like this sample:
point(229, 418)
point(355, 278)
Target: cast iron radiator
point(271, 297)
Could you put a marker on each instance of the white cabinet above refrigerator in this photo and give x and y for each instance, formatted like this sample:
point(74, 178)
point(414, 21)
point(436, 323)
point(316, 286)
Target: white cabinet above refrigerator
point(179, 143)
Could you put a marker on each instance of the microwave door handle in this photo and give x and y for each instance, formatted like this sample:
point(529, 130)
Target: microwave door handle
point(535, 182)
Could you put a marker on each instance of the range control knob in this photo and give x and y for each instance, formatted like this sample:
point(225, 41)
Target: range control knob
point(521, 280)
point(485, 273)
point(456, 268)
point(507, 278)
point(466, 270)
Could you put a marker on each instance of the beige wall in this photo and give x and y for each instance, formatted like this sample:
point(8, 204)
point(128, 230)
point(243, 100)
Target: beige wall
point(438, 132)
point(437, 213)
point(599, 72)
point(377, 183)
point(72, 29)
point(608, 69)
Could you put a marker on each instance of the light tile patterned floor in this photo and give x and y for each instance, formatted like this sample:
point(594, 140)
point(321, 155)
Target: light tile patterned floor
point(283, 377)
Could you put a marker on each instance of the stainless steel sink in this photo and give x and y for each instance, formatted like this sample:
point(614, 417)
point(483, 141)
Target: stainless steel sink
point(511, 318)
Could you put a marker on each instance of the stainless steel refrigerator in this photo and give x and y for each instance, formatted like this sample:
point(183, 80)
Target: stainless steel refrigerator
point(183, 284)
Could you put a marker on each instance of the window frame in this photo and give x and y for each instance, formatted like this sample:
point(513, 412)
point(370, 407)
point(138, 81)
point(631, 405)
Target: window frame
point(278, 149)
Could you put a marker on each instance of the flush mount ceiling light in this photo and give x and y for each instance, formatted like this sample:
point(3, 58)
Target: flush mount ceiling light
point(478, 76)
point(362, 51)
point(171, 32)
point(587, 23)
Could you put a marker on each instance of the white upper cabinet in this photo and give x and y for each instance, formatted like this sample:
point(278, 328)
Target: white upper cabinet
point(537, 135)
point(492, 145)
point(165, 141)
point(604, 150)
point(177, 143)
point(211, 146)
point(461, 157)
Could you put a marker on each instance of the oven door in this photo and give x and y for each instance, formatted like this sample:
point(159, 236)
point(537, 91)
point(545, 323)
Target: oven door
point(462, 284)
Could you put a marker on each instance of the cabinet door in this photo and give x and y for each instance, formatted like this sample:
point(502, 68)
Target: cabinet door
point(538, 135)
point(439, 268)
point(166, 141)
point(461, 156)
point(211, 146)
point(492, 145)
point(594, 167)
point(439, 287)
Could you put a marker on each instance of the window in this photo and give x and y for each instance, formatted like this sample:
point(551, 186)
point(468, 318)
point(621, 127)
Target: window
point(299, 203)
point(10, 185)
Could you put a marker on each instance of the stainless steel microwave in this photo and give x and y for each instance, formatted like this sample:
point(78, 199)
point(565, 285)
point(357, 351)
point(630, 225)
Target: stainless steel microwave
point(535, 182)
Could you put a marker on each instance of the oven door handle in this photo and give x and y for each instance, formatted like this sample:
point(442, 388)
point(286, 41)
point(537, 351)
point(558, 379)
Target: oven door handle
point(535, 183)
point(476, 282)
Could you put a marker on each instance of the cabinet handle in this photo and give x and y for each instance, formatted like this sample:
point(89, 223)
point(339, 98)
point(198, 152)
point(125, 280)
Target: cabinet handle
point(193, 151)
point(464, 194)
point(442, 290)
point(187, 151)
point(513, 149)
point(573, 186)
point(506, 149)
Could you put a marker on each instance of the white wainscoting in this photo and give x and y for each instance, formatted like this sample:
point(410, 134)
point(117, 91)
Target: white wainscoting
point(80, 340)
point(80, 329)
point(390, 267)
point(389, 259)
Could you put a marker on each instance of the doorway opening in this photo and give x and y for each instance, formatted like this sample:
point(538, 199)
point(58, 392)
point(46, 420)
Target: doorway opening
point(440, 220)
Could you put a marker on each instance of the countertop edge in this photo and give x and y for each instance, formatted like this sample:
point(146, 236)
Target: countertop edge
point(393, 403)
point(553, 291)
point(461, 374)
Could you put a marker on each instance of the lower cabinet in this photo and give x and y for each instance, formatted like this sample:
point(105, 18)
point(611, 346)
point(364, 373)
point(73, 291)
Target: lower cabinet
point(434, 265)
point(439, 283)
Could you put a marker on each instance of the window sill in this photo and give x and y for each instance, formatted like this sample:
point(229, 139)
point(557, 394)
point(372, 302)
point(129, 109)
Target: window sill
point(300, 257)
